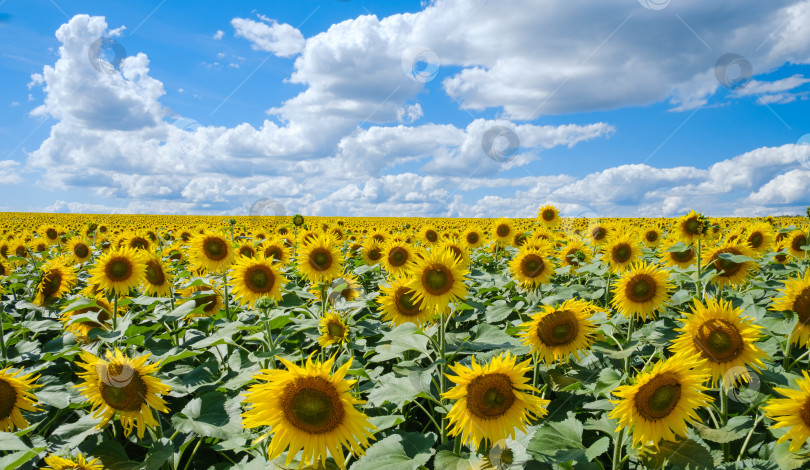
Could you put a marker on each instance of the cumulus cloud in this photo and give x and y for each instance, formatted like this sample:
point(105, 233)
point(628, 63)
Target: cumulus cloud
point(8, 172)
point(282, 39)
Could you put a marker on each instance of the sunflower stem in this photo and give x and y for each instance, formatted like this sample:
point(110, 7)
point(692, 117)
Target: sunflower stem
point(617, 450)
point(748, 437)
point(804, 354)
point(442, 367)
point(115, 312)
point(193, 453)
point(227, 303)
point(457, 445)
point(535, 370)
point(699, 292)
point(788, 347)
point(724, 415)
point(3, 339)
point(630, 327)
point(269, 335)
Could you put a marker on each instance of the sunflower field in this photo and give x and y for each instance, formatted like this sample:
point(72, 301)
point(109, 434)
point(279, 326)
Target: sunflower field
point(183, 342)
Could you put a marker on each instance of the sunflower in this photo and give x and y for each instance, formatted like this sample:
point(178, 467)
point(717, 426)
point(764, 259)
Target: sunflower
point(58, 277)
point(399, 304)
point(308, 409)
point(334, 329)
point(80, 250)
point(138, 241)
point(759, 237)
point(531, 267)
point(661, 402)
point(320, 261)
point(795, 240)
point(642, 290)
point(781, 253)
point(796, 297)
point(205, 296)
point(81, 329)
point(4, 270)
point(575, 254)
point(118, 271)
point(157, 280)
point(691, 227)
point(372, 252)
point(473, 237)
point(275, 249)
point(458, 249)
point(430, 234)
point(298, 220)
point(396, 256)
point(621, 251)
point(246, 249)
point(492, 400)
point(731, 273)
point(210, 251)
point(651, 236)
point(792, 412)
point(437, 279)
point(598, 233)
point(720, 334)
point(124, 385)
point(15, 395)
point(55, 462)
point(347, 287)
point(256, 278)
point(549, 215)
point(682, 259)
point(502, 231)
point(556, 332)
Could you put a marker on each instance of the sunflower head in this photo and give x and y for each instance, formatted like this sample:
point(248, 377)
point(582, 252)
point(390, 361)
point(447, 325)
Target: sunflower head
point(334, 329)
point(16, 396)
point(621, 251)
point(642, 290)
point(795, 297)
point(256, 278)
point(730, 272)
point(211, 251)
point(692, 226)
point(438, 279)
point(119, 270)
point(557, 332)
point(548, 215)
point(532, 267)
point(399, 304)
point(320, 261)
point(58, 277)
point(792, 412)
point(55, 462)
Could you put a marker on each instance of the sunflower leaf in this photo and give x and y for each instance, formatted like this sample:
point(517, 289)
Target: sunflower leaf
point(736, 428)
point(402, 451)
point(681, 454)
point(211, 415)
point(736, 258)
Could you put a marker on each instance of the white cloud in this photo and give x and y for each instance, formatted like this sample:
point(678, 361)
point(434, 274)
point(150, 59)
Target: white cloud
point(8, 172)
point(219, 34)
point(756, 87)
point(282, 39)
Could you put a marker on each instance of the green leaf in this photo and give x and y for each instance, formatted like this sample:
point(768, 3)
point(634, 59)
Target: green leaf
point(447, 460)
point(395, 390)
point(498, 311)
point(210, 415)
point(735, 258)
point(54, 396)
point(679, 247)
point(386, 421)
point(736, 428)
point(72, 434)
point(597, 448)
point(554, 436)
point(404, 451)
point(159, 453)
point(683, 453)
point(10, 442)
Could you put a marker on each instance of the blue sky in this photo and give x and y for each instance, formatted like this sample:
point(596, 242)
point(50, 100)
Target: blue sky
point(380, 108)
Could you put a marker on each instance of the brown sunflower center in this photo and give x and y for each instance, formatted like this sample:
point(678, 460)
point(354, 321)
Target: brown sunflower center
point(119, 269)
point(804, 412)
point(407, 305)
point(335, 329)
point(682, 256)
point(621, 252)
point(532, 265)
point(599, 233)
point(640, 288)
point(558, 328)
point(313, 405)
point(548, 215)
point(725, 267)
point(651, 235)
point(397, 256)
point(374, 254)
point(273, 252)
point(431, 236)
point(472, 238)
point(798, 242)
point(8, 398)
point(437, 280)
point(3, 270)
point(52, 234)
point(502, 230)
point(657, 398)
point(719, 340)
point(490, 396)
point(692, 226)
point(247, 251)
point(51, 283)
point(139, 243)
point(121, 387)
point(81, 250)
point(154, 273)
point(801, 305)
point(215, 248)
point(21, 252)
point(320, 259)
point(259, 279)
point(755, 240)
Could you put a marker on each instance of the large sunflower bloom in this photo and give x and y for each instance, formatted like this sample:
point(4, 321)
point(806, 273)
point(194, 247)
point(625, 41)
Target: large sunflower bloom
point(691, 227)
point(797, 239)
point(759, 237)
point(157, 280)
point(642, 290)
point(575, 254)
point(473, 237)
point(437, 279)
point(399, 304)
point(15, 395)
point(80, 250)
point(118, 271)
point(557, 332)
point(210, 251)
point(123, 385)
point(549, 215)
point(661, 402)
point(58, 277)
point(796, 297)
point(308, 409)
point(275, 249)
point(334, 329)
point(255, 278)
point(492, 400)
point(502, 231)
point(621, 251)
point(731, 273)
point(792, 412)
point(320, 261)
point(720, 334)
point(531, 267)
